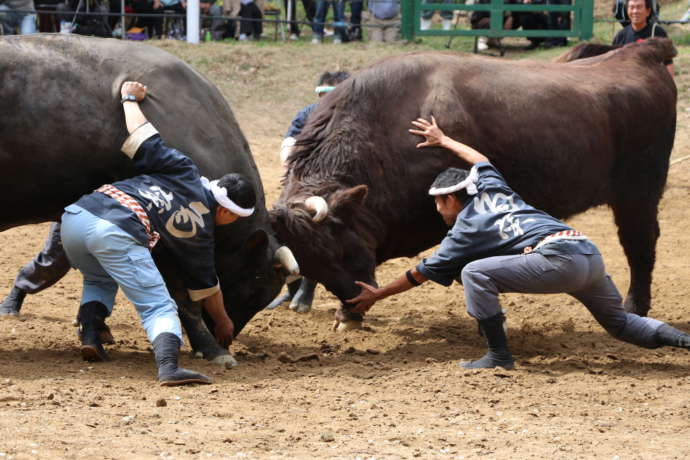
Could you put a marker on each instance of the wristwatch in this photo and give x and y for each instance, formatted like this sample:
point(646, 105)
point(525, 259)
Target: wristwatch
point(129, 98)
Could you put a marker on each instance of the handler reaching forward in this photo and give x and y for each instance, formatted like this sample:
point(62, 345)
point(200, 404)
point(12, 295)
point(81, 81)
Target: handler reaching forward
point(108, 235)
point(498, 243)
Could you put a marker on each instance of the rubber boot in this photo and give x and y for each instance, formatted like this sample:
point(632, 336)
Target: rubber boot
point(13, 302)
point(498, 354)
point(302, 300)
point(91, 320)
point(166, 348)
point(281, 299)
point(671, 337)
point(482, 44)
point(425, 24)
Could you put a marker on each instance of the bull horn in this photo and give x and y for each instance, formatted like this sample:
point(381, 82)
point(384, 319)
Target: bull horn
point(318, 205)
point(284, 257)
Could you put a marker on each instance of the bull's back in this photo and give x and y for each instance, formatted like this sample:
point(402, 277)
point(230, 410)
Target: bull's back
point(558, 132)
point(63, 135)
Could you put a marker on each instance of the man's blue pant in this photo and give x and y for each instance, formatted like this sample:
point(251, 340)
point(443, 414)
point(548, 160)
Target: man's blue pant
point(109, 257)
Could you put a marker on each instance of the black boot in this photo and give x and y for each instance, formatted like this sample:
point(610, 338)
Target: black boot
point(669, 336)
point(166, 347)
point(91, 319)
point(13, 302)
point(281, 299)
point(498, 354)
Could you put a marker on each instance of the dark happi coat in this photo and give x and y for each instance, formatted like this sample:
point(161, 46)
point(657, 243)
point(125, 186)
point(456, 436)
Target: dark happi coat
point(567, 136)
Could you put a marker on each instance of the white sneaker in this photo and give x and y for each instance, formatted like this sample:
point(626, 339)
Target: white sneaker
point(328, 32)
point(447, 23)
point(243, 37)
point(425, 24)
point(293, 37)
point(315, 41)
point(337, 41)
point(482, 44)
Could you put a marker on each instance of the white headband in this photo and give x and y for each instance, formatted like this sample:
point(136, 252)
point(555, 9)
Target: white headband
point(469, 183)
point(221, 196)
point(324, 89)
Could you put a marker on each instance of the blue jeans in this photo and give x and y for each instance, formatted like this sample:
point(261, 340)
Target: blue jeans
point(445, 14)
point(26, 22)
point(109, 257)
point(338, 17)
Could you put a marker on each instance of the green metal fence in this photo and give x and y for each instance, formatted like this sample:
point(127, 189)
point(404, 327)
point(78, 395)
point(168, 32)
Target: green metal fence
point(581, 19)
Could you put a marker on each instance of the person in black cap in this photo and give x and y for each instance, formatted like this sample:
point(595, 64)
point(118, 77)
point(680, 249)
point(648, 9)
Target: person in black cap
point(498, 243)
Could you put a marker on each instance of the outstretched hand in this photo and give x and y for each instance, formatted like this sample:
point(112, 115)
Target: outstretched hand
point(135, 88)
point(366, 299)
point(430, 131)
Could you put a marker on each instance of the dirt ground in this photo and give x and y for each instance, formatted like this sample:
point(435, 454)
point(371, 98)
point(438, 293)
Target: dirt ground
point(391, 390)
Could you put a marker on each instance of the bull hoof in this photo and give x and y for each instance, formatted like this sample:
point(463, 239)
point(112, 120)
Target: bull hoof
point(300, 307)
point(347, 325)
point(226, 361)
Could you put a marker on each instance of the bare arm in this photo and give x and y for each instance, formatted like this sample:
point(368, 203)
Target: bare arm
point(134, 117)
point(435, 138)
point(370, 295)
point(224, 328)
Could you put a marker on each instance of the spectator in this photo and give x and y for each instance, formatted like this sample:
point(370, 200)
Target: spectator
point(446, 16)
point(354, 32)
point(220, 28)
point(309, 9)
point(482, 20)
point(558, 20)
point(384, 20)
point(176, 7)
point(152, 25)
point(528, 20)
point(21, 16)
point(338, 20)
point(641, 27)
point(251, 25)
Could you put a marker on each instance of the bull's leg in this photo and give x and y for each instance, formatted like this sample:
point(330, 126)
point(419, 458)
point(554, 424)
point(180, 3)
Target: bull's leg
point(638, 231)
point(201, 339)
point(303, 299)
point(345, 320)
point(292, 289)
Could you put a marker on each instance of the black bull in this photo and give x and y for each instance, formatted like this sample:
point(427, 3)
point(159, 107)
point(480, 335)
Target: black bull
point(62, 127)
point(567, 136)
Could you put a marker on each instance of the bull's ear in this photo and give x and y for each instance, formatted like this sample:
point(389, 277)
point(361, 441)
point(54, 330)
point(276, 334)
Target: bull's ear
point(344, 203)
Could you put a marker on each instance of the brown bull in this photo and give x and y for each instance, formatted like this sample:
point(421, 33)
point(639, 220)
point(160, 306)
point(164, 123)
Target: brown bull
point(567, 136)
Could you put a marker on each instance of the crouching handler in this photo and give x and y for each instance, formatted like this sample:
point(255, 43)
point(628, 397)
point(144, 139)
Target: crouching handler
point(108, 236)
point(498, 243)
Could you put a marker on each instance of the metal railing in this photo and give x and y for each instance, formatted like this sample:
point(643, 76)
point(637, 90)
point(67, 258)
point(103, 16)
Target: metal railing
point(581, 24)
